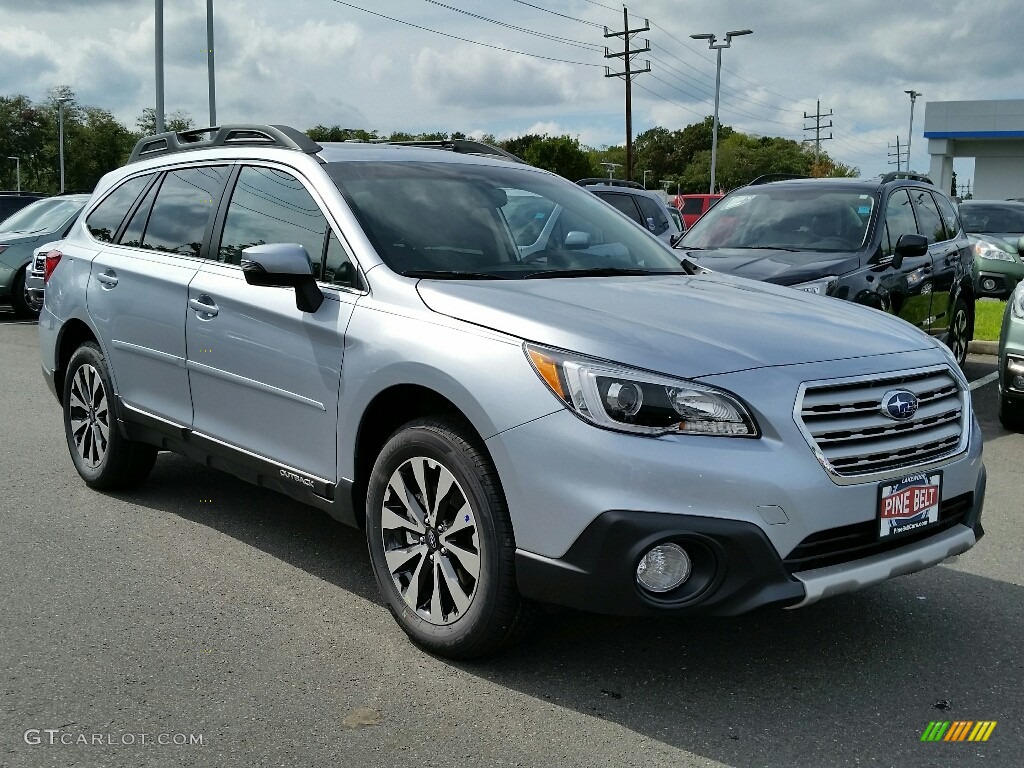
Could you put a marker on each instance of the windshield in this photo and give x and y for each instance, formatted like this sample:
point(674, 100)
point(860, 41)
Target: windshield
point(42, 216)
point(803, 219)
point(483, 221)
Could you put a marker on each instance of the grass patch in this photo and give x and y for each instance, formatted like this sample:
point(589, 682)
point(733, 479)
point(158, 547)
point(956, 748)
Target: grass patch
point(988, 319)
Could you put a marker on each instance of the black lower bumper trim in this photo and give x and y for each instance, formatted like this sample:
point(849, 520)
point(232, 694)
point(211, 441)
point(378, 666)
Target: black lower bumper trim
point(735, 567)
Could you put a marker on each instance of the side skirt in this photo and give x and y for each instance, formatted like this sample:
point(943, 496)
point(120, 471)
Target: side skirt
point(334, 499)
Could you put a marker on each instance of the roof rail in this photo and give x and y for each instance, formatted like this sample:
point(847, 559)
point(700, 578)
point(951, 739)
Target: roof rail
point(893, 175)
point(460, 146)
point(768, 178)
point(610, 183)
point(223, 136)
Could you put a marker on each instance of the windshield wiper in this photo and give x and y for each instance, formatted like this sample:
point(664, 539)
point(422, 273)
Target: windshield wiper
point(452, 274)
point(765, 248)
point(601, 272)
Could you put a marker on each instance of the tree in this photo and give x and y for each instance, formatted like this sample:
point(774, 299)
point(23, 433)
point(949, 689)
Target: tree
point(179, 120)
point(559, 154)
point(337, 133)
point(952, 186)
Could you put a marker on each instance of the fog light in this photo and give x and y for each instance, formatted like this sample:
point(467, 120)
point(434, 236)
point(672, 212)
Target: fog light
point(663, 568)
point(1018, 382)
point(988, 284)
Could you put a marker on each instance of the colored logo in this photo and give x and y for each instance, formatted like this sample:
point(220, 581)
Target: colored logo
point(958, 730)
point(899, 404)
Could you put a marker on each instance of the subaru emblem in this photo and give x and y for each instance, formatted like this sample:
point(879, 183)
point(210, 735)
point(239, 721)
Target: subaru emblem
point(899, 404)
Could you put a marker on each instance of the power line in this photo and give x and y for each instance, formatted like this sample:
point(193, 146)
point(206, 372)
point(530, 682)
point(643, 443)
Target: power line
point(556, 13)
point(555, 38)
point(463, 39)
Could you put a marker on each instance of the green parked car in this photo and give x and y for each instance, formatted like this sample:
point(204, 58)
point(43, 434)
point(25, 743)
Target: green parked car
point(1011, 363)
point(995, 228)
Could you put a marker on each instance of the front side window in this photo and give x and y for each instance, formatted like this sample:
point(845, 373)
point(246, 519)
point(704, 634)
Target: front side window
point(106, 218)
point(184, 204)
point(899, 220)
point(271, 206)
point(502, 221)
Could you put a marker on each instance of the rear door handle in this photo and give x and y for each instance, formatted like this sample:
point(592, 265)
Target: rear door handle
point(204, 305)
point(108, 278)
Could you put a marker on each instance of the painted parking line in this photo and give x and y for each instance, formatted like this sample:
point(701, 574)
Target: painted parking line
point(977, 383)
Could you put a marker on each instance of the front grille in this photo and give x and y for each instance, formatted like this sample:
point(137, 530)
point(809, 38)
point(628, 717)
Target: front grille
point(845, 422)
point(852, 542)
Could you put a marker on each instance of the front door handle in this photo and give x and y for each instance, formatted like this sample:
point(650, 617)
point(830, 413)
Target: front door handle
point(108, 278)
point(204, 305)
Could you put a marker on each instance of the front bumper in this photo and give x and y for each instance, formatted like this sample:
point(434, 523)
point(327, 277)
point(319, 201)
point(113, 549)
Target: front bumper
point(735, 567)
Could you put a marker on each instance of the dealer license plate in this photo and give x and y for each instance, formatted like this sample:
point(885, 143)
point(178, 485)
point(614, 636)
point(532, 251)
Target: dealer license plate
point(909, 504)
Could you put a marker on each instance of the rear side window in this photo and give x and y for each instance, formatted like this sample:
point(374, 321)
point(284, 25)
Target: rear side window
point(623, 203)
point(183, 207)
point(270, 206)
point(949, 217)
point(929, 222)
point(106, 218)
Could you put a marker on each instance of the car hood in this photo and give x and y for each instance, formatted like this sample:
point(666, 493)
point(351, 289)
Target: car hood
point(676, 324)
point(773, 265)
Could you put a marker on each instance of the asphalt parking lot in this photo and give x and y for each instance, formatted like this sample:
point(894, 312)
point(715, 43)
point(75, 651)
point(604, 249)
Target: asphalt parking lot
point(201, 609)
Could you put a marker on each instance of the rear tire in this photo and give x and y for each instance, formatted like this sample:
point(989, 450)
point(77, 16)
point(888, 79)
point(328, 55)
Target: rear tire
point(959, 335)
point(24, 306)
point(441, 542)
point(105, 459)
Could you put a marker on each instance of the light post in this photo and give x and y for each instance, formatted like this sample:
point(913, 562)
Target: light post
point(60, 138)
point(913, 97)
point(610, 167)
point(714, 45)
point(17, 169)
point(209, 62)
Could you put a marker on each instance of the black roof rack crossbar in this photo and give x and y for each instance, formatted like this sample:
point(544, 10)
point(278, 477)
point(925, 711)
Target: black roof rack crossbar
point(223, 136)
point(893, 175)
point(610, 183)
point(461, 146)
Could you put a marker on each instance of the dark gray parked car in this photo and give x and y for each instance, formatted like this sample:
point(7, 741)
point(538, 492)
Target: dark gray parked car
point(585, 421)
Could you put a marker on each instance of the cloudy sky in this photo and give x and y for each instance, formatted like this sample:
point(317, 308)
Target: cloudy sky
point(509, 67)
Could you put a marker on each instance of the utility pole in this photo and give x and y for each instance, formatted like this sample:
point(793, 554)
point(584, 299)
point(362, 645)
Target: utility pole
point(898, 154)
point(209, 63)
point(817, 129)
point(159, 46)
point(910, 134)
point(628, 74)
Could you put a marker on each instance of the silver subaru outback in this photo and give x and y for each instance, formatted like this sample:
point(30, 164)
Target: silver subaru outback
point(593, 422)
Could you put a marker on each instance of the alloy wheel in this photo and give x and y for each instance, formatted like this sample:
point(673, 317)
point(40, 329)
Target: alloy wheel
point(431, 542)
point(958, 332)
point(89, 416)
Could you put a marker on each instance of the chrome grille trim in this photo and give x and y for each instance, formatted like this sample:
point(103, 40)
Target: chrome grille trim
point(842, 422)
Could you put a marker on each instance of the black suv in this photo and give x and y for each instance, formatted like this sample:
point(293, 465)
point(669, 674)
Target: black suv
point(894, 243)
point(12, 202)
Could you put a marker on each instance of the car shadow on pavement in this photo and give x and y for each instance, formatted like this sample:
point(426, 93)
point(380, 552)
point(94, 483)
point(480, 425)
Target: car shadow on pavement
point(853, 680)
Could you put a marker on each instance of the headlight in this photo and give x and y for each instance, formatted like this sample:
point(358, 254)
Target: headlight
point(630, 400)
point(822, 287)
point(986, 250)
point(1017, 300)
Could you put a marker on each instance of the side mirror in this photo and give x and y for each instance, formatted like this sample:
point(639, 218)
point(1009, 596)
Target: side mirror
point(908, 245)
point(576, 240)
point(285, 265)
point(674, 240)
point(1020, 246)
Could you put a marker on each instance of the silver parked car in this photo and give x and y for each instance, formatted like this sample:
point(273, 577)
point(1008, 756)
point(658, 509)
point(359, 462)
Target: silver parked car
point(584, 421)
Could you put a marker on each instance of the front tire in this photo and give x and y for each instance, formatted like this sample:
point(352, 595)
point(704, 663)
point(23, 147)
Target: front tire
point(441, 541)
point(1011, 414)
point(959, 335)
point(105, 459)
point(24, 305)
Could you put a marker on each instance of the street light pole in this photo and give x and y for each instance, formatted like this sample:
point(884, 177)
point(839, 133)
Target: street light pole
point(60, 138)
point(17, 169)
point(209, 62)
point(913, 97)
point(714, 45)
